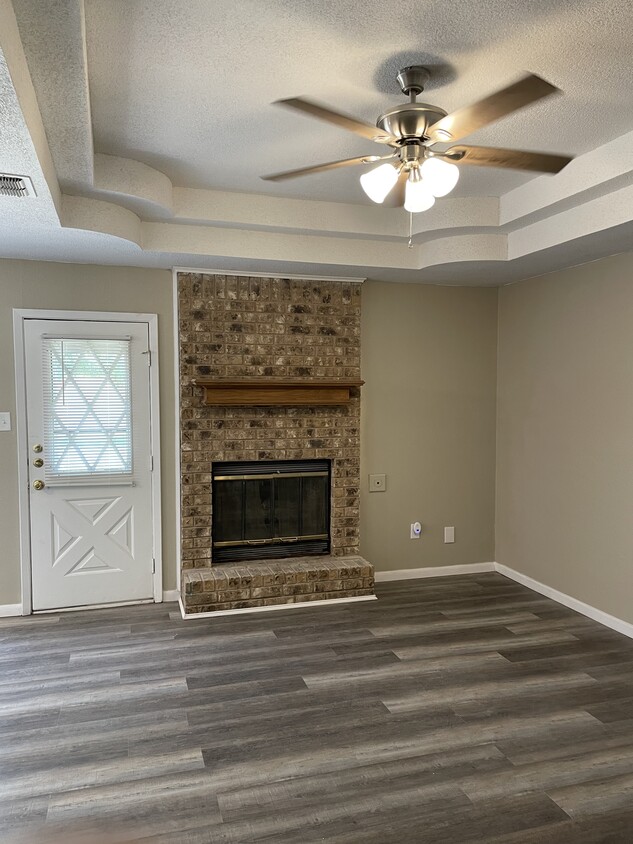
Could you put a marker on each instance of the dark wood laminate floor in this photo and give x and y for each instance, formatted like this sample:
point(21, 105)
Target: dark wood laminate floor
point(450, 710)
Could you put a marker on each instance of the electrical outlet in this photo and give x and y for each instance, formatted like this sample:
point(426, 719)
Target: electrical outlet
point(416, 530)
point(449, 534)
point(377, 483)
point(5, 421)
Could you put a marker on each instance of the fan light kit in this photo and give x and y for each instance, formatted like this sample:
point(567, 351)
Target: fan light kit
point(416, 172)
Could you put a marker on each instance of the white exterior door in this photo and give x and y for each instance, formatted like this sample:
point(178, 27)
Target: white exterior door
point(90, 465)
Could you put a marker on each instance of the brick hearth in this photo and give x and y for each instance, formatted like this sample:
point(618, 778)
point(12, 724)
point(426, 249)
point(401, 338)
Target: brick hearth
point(269, 328)
point(272, 582)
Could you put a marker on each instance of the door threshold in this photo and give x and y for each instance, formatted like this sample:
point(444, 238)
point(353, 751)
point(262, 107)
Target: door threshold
point(95, 607)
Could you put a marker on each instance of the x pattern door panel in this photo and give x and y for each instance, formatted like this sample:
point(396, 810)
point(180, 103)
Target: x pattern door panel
point(92, 534)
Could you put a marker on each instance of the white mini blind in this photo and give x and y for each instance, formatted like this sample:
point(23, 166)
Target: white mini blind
point(87, 408)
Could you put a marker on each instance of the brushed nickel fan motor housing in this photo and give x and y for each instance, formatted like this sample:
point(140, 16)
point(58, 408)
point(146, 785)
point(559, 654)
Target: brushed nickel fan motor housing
point(410, 120)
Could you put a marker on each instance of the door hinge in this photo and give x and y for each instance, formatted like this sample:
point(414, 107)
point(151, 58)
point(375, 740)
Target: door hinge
point(148, 352)
point(153, 565)
point(151, 462)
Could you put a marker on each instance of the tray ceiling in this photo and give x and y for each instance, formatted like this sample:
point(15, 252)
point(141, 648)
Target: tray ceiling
point(145, 127)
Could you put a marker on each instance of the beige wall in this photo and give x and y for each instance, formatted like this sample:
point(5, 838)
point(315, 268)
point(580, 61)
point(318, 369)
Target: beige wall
point(565, 432)
point(428, 423)
point(30, 284)
point(428, 357)
point(564, 419)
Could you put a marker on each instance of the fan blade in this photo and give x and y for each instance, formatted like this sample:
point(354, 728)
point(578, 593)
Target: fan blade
point(320, 168)
point(395, 197)
point(365, 130)
point(514, 159)
point(462, 122)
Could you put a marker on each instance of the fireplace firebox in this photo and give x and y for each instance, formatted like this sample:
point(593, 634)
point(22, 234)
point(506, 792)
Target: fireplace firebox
point(266, 509)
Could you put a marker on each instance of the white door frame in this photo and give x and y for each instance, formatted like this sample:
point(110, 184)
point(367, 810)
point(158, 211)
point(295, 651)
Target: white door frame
point(177, 435)
point(20, 315)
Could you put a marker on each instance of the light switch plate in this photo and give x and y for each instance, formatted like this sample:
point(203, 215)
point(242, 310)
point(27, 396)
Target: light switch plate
point(377, 483)
point(5, 421)
point(449, 534)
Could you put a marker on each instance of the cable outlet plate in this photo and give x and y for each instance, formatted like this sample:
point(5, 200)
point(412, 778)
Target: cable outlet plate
point(377, 483)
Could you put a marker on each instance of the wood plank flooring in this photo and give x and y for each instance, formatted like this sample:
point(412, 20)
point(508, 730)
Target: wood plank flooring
point(450, 710)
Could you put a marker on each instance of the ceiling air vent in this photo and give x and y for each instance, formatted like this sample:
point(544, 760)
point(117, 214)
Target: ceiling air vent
point(18, 186)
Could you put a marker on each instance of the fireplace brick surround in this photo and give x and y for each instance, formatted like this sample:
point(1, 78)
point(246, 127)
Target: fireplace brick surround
point(233, 328)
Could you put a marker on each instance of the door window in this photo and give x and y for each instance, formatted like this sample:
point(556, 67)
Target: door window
point(87, 407)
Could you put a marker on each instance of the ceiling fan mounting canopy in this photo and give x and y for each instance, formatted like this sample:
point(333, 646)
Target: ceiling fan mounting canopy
point(412, 129)
point(413, 78)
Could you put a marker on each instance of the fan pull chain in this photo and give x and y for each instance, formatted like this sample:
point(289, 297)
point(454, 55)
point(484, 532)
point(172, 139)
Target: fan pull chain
point(410, 230)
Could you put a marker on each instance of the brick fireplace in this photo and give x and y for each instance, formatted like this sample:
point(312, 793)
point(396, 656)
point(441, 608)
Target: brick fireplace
point(241, 329)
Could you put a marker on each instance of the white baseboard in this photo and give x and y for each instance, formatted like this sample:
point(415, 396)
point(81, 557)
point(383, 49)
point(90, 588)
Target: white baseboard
point(8, 610)
point(604, 618)
point(611, 621)
point(573, 603)
point(432, 571)
point(326, 602)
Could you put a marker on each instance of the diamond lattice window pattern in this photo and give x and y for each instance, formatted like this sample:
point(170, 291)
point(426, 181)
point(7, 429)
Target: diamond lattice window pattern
point(87, 407)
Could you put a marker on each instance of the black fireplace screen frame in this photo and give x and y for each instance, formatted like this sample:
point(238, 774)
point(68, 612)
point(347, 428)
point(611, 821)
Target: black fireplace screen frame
point(265, 509)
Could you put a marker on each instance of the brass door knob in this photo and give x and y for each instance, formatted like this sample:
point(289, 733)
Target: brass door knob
point(38, 448)
point(38, 484)
point(38, 462)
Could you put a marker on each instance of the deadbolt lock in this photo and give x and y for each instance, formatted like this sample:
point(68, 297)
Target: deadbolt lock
point(38, 448)
point(38, 462)
point(38, 484)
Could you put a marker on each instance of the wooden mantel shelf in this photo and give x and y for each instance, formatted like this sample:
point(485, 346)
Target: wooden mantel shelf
point(268, 392)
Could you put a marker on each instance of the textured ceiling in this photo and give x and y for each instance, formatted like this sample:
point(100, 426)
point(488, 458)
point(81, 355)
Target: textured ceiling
point(145, 125)
point(187, 87)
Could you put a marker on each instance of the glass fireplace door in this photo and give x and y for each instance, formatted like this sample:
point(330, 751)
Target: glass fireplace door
point(270, 509)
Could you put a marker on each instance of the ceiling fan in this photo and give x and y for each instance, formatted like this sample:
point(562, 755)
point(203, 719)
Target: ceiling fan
point(415, 172)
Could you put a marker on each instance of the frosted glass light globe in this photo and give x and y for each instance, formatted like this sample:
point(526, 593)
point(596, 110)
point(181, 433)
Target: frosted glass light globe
point(417, 197)
point(378, 182)
point(439, 176)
